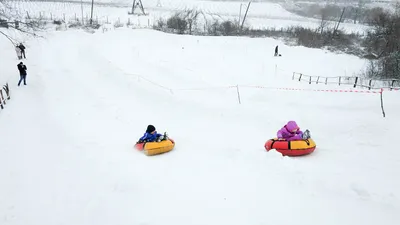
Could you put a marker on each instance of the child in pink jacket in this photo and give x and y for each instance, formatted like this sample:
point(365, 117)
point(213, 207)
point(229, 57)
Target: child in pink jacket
point(291, 132)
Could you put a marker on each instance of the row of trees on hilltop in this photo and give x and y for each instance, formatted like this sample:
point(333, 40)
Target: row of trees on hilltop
point(383, 40)
point(357, 11)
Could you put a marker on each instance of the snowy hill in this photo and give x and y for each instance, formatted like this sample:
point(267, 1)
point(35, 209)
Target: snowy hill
point(260, 14)
point(66, 139)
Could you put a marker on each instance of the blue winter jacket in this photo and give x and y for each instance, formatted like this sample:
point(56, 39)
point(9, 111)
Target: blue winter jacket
point(148, 137)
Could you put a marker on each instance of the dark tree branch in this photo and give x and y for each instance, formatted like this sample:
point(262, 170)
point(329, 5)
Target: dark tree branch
point(8, 37)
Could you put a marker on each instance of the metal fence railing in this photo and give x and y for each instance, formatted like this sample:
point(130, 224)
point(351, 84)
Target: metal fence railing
point(346, 80)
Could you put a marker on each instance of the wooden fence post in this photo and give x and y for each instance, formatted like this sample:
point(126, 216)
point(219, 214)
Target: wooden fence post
point(237, 89)
point(4, 95)
point(355, 83)
point(7, 90)
point(1, 100)
point(391, 86)
point(383, 111)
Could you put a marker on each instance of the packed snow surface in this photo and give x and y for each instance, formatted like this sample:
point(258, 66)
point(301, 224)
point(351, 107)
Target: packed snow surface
point(66, 139)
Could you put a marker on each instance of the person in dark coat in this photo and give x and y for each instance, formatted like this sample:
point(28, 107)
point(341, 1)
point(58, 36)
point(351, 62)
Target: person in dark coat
point(22, 73)
point(151, 135)
point(276, 51)
point(22, 47)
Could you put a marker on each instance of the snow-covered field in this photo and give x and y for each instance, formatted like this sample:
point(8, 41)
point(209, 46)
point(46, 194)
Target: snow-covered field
point(66, 139)
point(260, 15)
point(67, 156)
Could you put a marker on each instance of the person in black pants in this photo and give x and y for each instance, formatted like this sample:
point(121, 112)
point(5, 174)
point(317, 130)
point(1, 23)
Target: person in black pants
point(22, 73)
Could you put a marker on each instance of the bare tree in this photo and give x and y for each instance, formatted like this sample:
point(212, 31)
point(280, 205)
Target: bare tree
point(324, 20)
point(384, 41)
point(178, 23)
point(191, 18)
point(397, 8)
point(10, 19)
point(358, 10)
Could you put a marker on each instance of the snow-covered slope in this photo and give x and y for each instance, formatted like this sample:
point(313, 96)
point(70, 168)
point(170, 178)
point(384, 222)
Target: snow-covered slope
point(66, 139)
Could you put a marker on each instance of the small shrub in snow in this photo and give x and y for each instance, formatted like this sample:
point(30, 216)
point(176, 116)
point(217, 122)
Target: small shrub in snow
point(160, 24)
point(74, 24)
point(57, 22)
point(94, 26)
point(226, 28)
point(213, 28)
point(229, 28)
point(177, 23)
point(118, 24)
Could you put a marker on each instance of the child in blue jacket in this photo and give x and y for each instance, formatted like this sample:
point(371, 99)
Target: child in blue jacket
point(151, 135)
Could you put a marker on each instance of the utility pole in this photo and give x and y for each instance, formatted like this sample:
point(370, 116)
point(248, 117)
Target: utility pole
point(337, 26)
point(240, 13)
point(91, 14)
point(82, 11)
point(135, 4)
point(247, 10)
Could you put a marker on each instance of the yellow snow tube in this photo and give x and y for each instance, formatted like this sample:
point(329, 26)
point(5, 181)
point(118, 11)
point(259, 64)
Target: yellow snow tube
point(155, 148)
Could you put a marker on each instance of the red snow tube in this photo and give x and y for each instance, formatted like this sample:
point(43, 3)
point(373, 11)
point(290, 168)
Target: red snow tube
point(291, 148)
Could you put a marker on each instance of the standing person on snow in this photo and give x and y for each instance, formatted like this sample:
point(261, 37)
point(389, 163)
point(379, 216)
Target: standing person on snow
point(292, 132)
point(151, 135)
point(18, 50)
point(22, 47)
point(22, 73)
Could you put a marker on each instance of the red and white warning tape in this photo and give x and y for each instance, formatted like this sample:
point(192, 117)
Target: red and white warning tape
point(289, 89)
point(322, 90)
